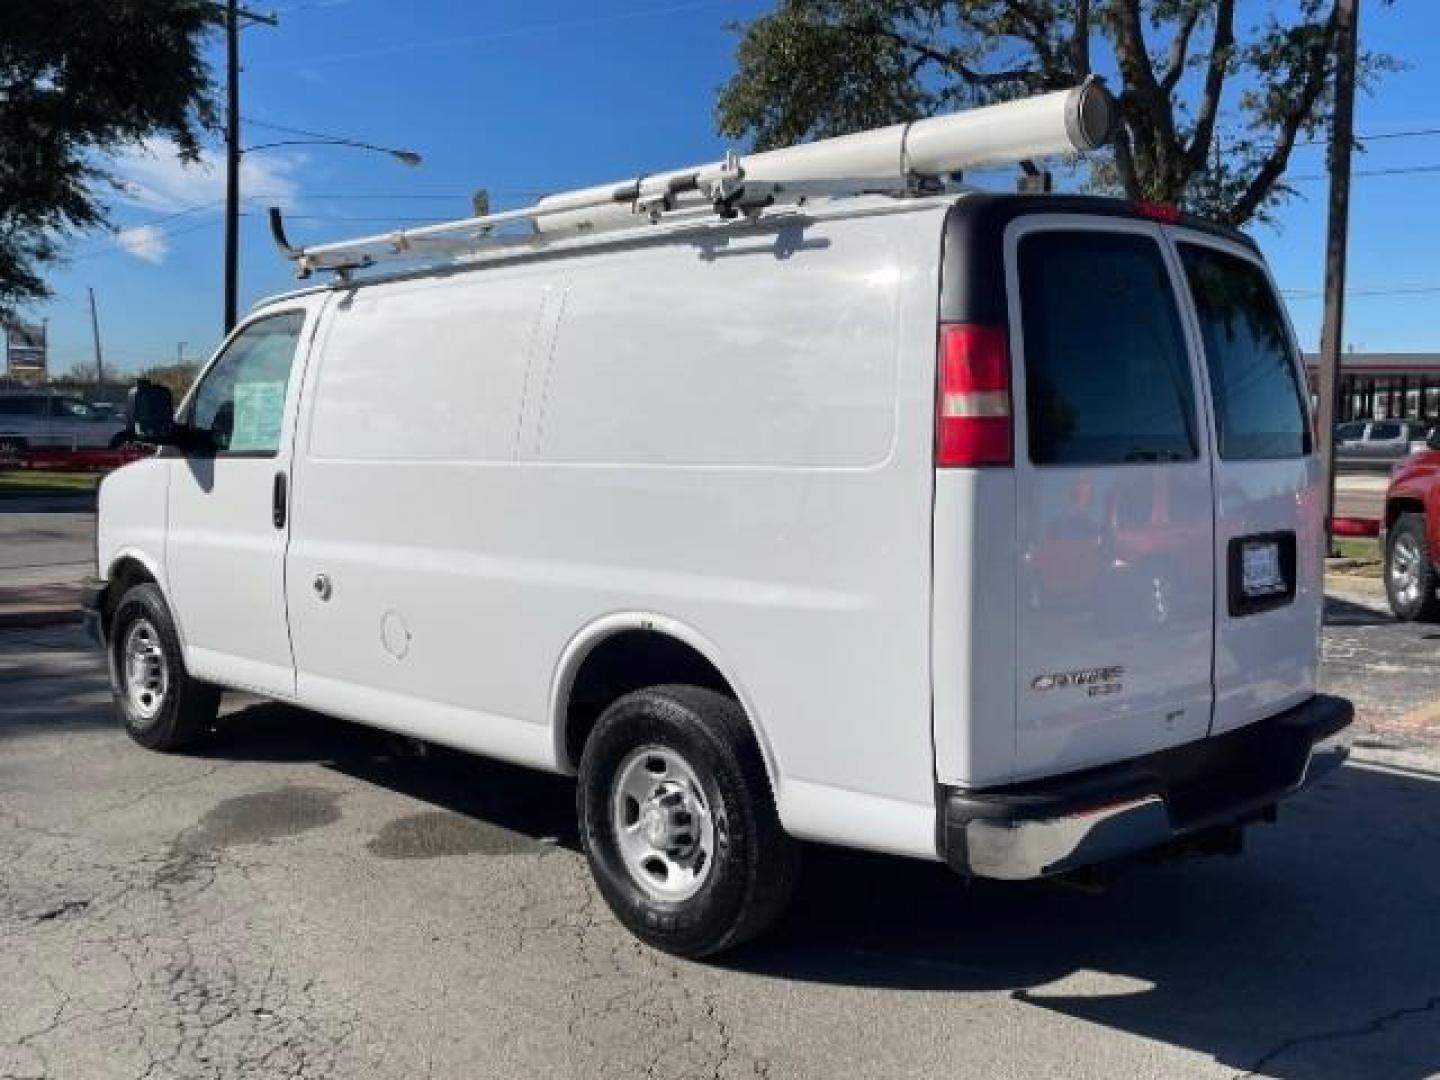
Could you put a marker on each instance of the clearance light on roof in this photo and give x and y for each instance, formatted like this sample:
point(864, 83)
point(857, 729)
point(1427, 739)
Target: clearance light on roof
point(972, 397)
point(1166, 213)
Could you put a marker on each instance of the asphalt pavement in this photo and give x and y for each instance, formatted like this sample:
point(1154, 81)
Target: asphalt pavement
point(46, 540)
point(301, 897)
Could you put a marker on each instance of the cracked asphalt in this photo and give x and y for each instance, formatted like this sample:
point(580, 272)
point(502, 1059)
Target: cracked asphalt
point(306, 898)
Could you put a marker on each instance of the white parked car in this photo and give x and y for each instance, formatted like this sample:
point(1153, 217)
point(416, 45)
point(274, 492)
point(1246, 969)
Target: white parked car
point(982, 529)
point(1379, 440)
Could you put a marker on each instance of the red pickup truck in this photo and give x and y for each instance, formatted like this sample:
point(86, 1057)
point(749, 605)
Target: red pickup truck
point(1412, 534)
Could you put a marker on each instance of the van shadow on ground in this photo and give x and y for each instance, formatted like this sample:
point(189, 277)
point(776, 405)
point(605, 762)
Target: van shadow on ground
point(1316, 954)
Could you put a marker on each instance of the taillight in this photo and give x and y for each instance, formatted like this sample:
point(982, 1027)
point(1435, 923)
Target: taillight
point(972, 397)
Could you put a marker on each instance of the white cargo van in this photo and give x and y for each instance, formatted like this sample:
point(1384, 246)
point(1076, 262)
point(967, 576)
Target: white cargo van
point(969, 527)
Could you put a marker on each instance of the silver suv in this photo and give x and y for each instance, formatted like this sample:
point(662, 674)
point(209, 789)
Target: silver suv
point(39, 419)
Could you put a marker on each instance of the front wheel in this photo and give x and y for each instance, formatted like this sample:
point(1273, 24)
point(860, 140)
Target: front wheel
point(159, 704)
point(678, 822)
point(1410, 579)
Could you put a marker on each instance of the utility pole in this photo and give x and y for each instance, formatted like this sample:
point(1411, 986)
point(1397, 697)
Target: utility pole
point(1342, 141)
point(95, 333)
point(233, 14)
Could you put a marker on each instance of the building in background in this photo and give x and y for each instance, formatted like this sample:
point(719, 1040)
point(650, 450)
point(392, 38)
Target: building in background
point(1384, 386)
point(26, 356)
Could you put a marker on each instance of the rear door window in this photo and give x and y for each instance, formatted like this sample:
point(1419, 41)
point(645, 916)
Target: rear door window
point(1107, 377)
point(1259, 413)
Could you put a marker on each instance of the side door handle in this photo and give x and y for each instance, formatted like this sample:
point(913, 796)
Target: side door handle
point(278, 501)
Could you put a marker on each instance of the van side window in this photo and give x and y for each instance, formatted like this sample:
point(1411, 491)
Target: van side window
point(1253, 380)
point(242, 398)
point(1107, 376)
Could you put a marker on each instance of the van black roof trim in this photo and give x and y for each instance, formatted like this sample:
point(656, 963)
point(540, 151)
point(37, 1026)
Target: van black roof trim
point(972, 278)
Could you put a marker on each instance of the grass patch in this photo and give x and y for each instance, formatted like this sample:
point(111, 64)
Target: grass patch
point(1362, 548)
point(40, 482)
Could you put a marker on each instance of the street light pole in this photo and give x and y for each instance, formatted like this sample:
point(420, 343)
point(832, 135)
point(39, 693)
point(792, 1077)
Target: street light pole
point(1342, 139)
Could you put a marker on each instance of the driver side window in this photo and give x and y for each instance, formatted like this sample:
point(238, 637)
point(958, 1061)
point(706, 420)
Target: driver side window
point(241, 401)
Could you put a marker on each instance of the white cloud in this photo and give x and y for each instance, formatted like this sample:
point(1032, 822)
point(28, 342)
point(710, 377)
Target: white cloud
point(144, 242)
point(154, 178)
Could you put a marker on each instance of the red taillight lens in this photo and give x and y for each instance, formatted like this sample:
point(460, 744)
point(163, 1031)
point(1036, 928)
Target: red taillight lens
point(972, 397)
point(1162, 212)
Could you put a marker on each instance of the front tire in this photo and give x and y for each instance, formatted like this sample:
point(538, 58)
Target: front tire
point(678, 822)
point(159, 704)
point(1410, 578)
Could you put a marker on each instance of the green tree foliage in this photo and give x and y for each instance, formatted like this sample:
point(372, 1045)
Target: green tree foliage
point(1211, 107)
point(78, 79)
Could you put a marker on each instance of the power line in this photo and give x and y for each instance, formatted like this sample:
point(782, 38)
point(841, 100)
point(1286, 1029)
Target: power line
point(1414, 133)
point(1399, 170)
point(1365, 290)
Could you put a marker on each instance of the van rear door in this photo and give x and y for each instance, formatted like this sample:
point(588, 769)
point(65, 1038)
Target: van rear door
point(1115, 539)
point(1268, 504)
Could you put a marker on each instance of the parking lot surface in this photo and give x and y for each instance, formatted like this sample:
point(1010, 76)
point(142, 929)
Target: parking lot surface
point(306, 898)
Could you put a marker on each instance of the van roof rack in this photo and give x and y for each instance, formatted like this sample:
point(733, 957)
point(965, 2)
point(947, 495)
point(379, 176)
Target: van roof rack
point(910, 158)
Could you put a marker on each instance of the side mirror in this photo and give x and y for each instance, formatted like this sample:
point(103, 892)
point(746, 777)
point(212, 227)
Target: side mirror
point(150, 412)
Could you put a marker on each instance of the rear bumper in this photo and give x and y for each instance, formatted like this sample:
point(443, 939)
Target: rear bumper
point(92, 609)
point(1051, 826)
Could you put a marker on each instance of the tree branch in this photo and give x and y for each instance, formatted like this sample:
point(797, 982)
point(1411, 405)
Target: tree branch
point(1142, 93)
point(1215, 72)
point(1302, 105)
point(988, 80)
point(1179, 51)
point(1036, 32)
point(1125, 162)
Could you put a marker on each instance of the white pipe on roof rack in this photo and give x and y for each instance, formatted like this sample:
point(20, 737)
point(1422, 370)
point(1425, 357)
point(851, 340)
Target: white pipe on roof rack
point(1063, 122)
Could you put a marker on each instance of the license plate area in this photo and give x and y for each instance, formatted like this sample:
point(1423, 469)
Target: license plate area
point(1261, 572)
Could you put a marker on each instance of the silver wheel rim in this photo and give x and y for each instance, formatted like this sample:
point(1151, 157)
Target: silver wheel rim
point(144, 669)
point(663, 825)
point(1405, 569)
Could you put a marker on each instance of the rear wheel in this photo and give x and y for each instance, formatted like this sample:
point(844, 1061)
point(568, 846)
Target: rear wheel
point(1410, 579)
point(678, 823)
point(161, 706)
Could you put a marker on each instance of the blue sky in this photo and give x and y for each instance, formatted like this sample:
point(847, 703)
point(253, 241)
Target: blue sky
point(525, 98)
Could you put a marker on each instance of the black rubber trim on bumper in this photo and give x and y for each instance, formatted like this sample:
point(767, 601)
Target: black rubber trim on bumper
point(1059, 823)
point(92, 608)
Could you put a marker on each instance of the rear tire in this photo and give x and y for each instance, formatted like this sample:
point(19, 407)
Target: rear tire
point(1410, 578)
point(159, 704)
point(678, 822)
